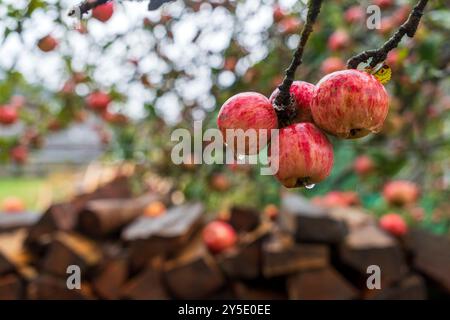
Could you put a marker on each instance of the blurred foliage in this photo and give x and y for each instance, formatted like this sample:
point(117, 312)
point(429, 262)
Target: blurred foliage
point(414, 144)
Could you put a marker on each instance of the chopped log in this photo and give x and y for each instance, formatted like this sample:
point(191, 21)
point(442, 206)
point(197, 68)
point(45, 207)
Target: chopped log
point(410, 288)
point(282, 256)
point(371, 246)
point(309, 223)
point(105, 216)
point(193, 273)
point(60, 216)
point(431, 256)
point(244, 261)
point(148, 285)
point(64, 216)
point(70, 249)
point(11, 287)
point(244, 291)
point(110, 280)
point(162, 235)
point(244, 219)
point(13, 254)
point(353, 217)
point(320, 284)
point(10, 222)
point(47, 287)
point(118, 188)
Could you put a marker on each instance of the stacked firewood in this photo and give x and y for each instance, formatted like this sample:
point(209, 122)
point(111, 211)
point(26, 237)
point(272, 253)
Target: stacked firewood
point(307, 252)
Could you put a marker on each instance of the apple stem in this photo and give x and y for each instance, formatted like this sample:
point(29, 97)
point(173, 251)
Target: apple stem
point(85, 6)
point(409, 27)
point(283, 100)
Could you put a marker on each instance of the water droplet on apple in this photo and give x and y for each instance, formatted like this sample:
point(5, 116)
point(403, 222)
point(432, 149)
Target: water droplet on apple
point(309, 186)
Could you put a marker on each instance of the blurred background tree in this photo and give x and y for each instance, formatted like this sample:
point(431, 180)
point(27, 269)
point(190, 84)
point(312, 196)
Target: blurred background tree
point(163, 69)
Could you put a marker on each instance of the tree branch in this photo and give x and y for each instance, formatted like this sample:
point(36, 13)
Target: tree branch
point(282, 101)
point(409, 28)
point(85, 7)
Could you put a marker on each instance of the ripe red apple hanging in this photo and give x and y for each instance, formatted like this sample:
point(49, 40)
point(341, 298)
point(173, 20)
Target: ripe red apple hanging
point(249, 110)
point(8, 115)
point(47, 43)
point(304, 155)
point(98, 100)
point(103, 12)
point(302, 92)
point(350, 104)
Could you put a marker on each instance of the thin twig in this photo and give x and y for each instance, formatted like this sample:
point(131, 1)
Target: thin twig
point(409, 27)
point(85, 7)
point(282, 101)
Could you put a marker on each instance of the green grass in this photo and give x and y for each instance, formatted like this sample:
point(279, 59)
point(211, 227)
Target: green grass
point(24, 188)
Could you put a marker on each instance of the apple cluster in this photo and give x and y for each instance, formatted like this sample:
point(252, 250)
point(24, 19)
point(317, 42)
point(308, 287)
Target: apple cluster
point(346, 104)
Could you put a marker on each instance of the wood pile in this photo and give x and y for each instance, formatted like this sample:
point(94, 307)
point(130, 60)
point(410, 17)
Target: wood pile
point(307, 253)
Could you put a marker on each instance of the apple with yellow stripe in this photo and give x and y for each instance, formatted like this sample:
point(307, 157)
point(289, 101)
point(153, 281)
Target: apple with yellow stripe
point(350, 104)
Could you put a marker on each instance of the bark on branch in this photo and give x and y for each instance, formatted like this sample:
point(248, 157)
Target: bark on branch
point(409, 28)
point(283, 100)
point(85, 7)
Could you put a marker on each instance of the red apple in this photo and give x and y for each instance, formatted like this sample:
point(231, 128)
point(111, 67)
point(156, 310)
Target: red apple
point(363, 165)
point(103, 12)
point(302, 93)
point(387, 24)
point(401, 192)
point(289, 25)
point(383, 3)
point(249, 110)
point(230, 63)
point(220, 182)
point(271, 211)
point(338, 40)
point(337, 199)
point(17, 101)
point(98, 100)
point(303, 153)
point(19, 154)
point(12, 205)
point(354, 14)
point(219, 236)
point(350, 104)
point(394, 224)
point(278, 13)
point(47, 43)
point(332, 64)
point(8, 115)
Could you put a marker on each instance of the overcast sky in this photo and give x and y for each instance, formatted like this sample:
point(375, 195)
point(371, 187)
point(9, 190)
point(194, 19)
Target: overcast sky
point(48, 68)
